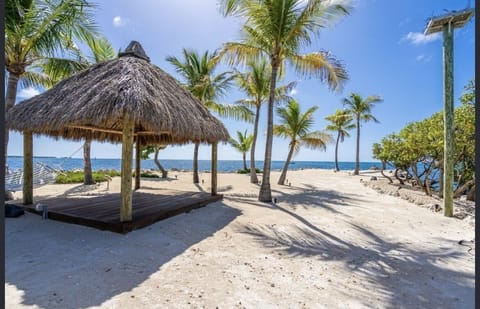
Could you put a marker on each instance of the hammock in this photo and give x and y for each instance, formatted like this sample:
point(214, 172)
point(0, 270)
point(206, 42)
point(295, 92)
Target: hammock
point(42, 175)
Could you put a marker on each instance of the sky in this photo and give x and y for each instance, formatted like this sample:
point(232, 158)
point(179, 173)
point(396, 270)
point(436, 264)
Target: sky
point(381, 45)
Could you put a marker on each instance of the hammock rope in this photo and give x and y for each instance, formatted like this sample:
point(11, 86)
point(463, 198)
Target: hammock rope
point(42, 175)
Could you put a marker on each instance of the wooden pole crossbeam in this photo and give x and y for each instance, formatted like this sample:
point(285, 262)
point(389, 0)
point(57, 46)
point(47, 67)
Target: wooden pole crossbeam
point(118, 131)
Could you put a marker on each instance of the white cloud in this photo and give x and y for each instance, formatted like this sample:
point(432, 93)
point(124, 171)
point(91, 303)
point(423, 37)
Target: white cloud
point(27, 93)
point(423, 58)
point(294, 91)
point(119, 21)
point(418, 38)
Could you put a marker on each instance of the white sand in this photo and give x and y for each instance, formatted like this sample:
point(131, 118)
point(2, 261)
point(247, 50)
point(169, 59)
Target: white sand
point(330, 242)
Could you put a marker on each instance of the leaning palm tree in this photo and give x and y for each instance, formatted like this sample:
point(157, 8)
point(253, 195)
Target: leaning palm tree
point(100, 50)
point(198, 76)
point(36, 31)
point(255, 83)
point(279, 29)
point(242, 145)
point(340, 122)
point(361, 110)
point(296, 127)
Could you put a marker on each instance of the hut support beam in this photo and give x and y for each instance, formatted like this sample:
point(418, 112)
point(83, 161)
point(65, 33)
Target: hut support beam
point(127, 156)
point(214, 168)
point(137, 164)
point(27, 168)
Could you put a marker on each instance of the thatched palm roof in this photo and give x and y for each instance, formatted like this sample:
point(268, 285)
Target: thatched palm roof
point(98, 97)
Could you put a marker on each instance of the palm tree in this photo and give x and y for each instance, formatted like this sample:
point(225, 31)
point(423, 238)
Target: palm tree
point(243, 145)
point(361, 110)
point(199, 78)
point(341, 122)
point(255, 83)
point(278, 29)
point(38, 31)
point(100, 50)
point(296, 126)
point(155, 149)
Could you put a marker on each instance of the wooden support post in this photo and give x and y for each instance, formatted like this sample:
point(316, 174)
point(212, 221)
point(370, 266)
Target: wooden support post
point(127, 156)
point(214, 168)
point(27, 168)
point(448, 114)
point(137, 164)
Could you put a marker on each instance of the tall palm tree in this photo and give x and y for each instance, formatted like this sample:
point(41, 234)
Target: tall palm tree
point(278, 29)
point(361, 110)
point(255, 83)
point(198, 76)
point(37, 31)
point(296, 127)
point(243, 145)
point(340, 122)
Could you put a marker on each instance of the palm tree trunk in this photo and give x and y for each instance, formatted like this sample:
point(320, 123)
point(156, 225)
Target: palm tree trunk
point(195, 163)
point(281, 180)
point(87, 163)
point(10, 101)
point(253, 171)
point(157, 163)
point(244, 161)
point(336, 152)
point(265, 194)
point(357, 156)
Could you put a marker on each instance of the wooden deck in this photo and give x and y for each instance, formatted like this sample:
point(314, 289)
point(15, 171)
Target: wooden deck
point(103, 212)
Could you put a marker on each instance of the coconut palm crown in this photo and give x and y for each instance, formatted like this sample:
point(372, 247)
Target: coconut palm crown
point(297, 127)
point(278, 30)
point(361, 110)
point(242, 145)
point(340, 122)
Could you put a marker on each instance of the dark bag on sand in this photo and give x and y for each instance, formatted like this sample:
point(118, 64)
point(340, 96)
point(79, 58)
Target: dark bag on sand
point(13, 211)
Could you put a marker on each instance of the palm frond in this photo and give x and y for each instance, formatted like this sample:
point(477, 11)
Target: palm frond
point(236, 112)
point(321, 65)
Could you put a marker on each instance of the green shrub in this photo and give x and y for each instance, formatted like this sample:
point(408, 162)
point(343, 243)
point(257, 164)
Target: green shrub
point(242, 171)
point(78, 176)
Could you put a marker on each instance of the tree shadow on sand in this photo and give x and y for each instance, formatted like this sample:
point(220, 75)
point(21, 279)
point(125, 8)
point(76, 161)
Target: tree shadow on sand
point(329, 200)
point(403, 275)
point(59, 265)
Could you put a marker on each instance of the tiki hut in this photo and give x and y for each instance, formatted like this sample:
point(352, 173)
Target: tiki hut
point(124, 100)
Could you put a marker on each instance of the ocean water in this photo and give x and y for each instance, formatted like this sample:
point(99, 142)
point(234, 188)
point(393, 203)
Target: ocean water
point(16, 162)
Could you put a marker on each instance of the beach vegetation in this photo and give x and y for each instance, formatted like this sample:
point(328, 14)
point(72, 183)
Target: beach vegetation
point(255, 83)
point(199, 77)
point(78, 176)
point(341, 123)
point(246, 171)
point(242, 145)
point(417, 152)
point(296, 127)
point(361, 110)
point(279, 30)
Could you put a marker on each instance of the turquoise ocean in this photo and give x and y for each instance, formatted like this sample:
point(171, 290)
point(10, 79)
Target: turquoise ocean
point(16, 162)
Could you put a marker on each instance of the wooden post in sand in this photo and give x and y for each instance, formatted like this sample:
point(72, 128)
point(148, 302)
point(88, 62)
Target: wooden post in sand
point(214, 168)
point(127, 154)
point(27, 168)
point(137, 164)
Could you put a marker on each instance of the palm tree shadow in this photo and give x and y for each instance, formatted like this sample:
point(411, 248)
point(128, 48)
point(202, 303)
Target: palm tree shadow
point(402, 274)
point(53, 267)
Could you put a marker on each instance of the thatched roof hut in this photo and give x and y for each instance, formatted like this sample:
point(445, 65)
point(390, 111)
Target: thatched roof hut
point(122, 100)
point(94, 101)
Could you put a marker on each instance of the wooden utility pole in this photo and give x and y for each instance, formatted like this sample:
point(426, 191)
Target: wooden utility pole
point(27, 168)
point(446, 24)
point(127, 156)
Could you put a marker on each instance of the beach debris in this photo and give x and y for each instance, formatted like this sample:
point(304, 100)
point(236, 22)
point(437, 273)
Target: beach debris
point(373, 178)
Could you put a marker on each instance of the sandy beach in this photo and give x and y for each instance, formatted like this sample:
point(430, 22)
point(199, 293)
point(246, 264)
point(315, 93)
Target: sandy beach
point(328, 242)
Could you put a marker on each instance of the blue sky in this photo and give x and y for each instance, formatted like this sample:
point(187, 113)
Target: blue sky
point(380, 43)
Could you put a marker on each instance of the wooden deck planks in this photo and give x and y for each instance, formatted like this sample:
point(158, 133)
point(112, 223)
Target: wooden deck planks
point(103, 212)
